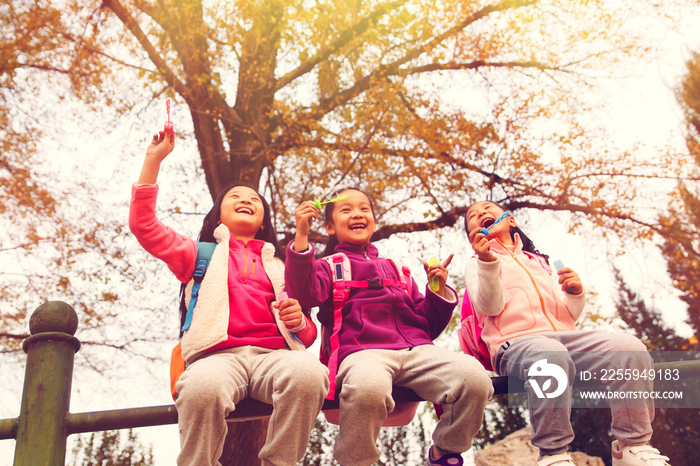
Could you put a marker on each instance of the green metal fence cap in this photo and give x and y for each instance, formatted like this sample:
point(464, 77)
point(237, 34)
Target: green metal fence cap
point(54, 316)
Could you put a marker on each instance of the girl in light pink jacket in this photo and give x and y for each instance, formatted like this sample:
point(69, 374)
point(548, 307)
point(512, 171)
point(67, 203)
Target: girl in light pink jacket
point(529, 314)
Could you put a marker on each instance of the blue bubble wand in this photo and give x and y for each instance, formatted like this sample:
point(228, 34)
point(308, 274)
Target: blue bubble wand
point(486, 230)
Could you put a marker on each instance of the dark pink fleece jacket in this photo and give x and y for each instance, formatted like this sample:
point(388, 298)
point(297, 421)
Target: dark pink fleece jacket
point(384, 318)
point(250, 291)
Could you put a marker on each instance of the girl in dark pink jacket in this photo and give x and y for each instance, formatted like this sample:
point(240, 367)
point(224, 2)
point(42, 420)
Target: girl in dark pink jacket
point(384, 337)
point(243, 328)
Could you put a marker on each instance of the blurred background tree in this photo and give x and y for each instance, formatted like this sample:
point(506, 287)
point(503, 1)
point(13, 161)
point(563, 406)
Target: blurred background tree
point(108, 448)
point(675, 433)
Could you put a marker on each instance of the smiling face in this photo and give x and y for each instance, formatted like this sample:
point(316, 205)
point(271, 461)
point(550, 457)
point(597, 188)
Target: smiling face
point(352, 219)
point(242, 211)
point(484, 214)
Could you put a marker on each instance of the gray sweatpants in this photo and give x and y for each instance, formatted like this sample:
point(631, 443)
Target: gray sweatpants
point(456, 381)
point(551, 426)
point(294, 382)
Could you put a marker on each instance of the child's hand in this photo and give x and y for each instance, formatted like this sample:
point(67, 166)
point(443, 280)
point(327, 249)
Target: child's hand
point(438, 271)
point(290, 313)
point(481, 245)
point(305, 214)
point(570, 281)
point(161, 145)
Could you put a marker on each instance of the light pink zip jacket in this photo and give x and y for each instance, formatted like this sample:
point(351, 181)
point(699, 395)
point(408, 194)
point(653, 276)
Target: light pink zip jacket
point(516, 296)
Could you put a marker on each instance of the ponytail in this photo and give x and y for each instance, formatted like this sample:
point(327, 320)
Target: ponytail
point(528, 245)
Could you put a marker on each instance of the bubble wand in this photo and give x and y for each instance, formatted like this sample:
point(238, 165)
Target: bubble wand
point(486, 230)
point(558, 265)
point(168, 124)
point(318, 202)
point(434, 282)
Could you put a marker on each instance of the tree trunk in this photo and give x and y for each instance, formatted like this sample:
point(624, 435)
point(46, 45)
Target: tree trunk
point(243, 443)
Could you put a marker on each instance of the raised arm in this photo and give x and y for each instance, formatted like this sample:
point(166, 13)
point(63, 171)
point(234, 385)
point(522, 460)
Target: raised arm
point(161, 145)
point(304, 215)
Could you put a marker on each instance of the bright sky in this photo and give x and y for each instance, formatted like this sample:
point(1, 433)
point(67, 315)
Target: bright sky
point(644, 110)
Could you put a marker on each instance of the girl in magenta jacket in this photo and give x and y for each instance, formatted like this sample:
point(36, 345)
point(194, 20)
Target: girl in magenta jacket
point(385, 338)
point(243, 328)
point(529, 314)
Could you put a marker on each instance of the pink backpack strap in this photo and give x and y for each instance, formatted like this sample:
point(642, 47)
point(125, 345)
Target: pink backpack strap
point(341, 275)
point(470, 333)
point(405, 280)
point(540, 260)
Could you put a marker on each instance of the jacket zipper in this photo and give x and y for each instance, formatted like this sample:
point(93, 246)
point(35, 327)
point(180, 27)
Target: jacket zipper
point(245, 257)
point(534, 284)
point(395, 299)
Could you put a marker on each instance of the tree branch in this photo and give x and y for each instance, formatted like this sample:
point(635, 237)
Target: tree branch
point(140, 36)
point(14, 336)
point(6, 70)
point(393, 68)
point(447, 219)
point(325, 106)
point(446, 156)
point(660, 229)
point(343, 39)
point(106, 55)
point(479, 64)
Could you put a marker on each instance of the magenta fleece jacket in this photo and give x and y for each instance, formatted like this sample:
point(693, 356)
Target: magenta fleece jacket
point(384, 318)
point(237, 291)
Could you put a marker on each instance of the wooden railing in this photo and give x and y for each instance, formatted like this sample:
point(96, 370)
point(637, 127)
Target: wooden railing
point(44, 423)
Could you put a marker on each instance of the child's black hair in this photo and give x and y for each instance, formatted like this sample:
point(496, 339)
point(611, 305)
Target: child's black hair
point(528, 245)
point(328, 218)
point(211, 221)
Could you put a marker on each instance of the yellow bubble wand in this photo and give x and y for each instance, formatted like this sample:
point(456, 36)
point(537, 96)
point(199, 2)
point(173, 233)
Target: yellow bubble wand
point(434, 282)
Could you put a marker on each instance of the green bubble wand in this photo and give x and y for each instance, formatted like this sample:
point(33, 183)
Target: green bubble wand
point(318, 202)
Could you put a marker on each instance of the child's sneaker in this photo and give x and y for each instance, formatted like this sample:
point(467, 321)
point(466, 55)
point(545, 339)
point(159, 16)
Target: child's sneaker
point(643, 455)
point(562, 459)
point(449, 459)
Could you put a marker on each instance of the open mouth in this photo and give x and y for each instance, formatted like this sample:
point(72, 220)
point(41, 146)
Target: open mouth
point(244, 210)
point(358, 227)
point(487, 223)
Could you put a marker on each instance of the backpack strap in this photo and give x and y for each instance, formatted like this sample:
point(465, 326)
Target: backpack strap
point(540, 260)
point(405, 280)
point(204, 253)
point(341, 274)
point(472, 325)
point(342, 284)
point(470, 333)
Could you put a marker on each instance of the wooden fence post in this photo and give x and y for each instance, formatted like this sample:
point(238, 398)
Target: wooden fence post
point(51, 348)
